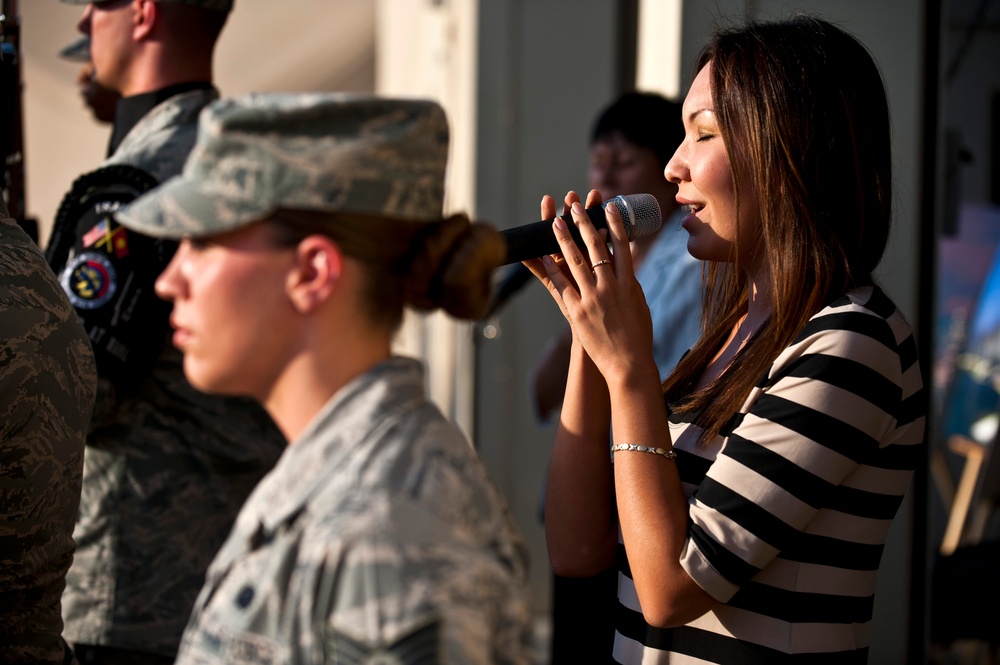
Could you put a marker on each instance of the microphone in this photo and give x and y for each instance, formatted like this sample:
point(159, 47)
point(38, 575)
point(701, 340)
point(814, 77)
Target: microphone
point(639, 212)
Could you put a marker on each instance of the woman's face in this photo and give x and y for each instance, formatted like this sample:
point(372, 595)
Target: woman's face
point(700, 168)
point(231, 316)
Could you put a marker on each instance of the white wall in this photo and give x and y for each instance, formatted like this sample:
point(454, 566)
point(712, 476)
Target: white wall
point(428, 49)
point(545, 70)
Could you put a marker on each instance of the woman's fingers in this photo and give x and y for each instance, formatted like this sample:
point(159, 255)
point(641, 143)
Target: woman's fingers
point(552, 270)
point(577, 261)
point(593, 285)
point(557, 280)
point(565, 273)
point(568, 201)
point(619, 240)
point(596, 250)
point(548, 210)
point(594, 198)
point(548, 207)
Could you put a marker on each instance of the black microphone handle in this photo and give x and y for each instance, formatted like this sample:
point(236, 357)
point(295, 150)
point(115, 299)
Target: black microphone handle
point(533, 240)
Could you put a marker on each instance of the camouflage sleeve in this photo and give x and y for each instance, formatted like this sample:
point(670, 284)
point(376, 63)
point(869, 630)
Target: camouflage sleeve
point(443, 599)
point(408, 591)
point(47, 385)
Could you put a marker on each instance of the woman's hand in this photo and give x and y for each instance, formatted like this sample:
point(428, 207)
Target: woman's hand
point(548, 211)
point(596, 290)
point(587, 498)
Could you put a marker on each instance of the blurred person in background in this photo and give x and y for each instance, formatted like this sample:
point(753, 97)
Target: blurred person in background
point(630, 144)
point(166, 467)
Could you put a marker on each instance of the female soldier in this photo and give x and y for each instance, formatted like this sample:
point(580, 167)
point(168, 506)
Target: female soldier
point(308, 222)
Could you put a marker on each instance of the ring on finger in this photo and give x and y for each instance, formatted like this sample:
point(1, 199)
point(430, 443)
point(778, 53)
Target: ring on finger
point(600, 263)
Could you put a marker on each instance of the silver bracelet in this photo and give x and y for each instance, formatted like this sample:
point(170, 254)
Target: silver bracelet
point(669, 454)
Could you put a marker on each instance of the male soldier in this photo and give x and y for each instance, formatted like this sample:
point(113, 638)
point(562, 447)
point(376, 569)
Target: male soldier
point(47, 384)
point(166, 467)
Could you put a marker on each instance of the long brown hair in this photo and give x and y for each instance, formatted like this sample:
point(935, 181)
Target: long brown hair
point(803, 113)
point(426, 265)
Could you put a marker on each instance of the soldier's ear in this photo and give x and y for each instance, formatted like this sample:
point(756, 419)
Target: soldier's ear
point(315, 272)
point(144, 18)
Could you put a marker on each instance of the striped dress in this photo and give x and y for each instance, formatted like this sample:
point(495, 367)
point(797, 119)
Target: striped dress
point(790, 507)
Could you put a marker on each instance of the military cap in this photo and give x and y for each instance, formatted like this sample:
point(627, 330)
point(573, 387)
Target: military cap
point(76, 51)
point(217, 5)
point(332, 152)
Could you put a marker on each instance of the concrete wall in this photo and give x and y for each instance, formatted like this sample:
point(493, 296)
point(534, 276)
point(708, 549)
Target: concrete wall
point(545, 70)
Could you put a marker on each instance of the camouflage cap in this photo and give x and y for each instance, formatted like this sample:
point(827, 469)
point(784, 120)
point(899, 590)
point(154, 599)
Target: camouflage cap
point(316, 151)
point(216, 5)
point(77, 51)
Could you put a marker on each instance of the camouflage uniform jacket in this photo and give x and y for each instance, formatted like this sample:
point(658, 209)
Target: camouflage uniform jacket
point(160, 143)
point(166, 468)
point(47, 384)
point(377, 538)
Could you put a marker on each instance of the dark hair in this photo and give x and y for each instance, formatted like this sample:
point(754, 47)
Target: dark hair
point(803, 113)
point(646, 119)
point(427, 265)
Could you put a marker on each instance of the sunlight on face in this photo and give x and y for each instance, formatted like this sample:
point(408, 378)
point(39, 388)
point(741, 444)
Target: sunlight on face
point(232, 318)
point(700, 167)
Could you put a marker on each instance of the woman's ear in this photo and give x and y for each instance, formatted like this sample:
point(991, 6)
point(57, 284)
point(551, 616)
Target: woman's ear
point(315, 273)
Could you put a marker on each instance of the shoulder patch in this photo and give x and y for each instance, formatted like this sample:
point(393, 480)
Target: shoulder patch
point(89, 280)
point(85, 213)
point(108, 237)
point(109, 273)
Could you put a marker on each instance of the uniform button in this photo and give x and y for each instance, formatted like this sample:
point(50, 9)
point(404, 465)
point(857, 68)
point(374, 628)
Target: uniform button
point(244, 597)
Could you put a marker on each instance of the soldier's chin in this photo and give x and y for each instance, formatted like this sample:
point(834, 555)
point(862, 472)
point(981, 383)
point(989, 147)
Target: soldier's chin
point(206, 381)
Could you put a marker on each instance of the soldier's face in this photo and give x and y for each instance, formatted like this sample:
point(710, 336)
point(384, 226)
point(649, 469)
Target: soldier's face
point(109, 26)
point(231, 315)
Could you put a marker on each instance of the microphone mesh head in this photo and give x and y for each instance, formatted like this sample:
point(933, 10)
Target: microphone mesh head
point(640, 212)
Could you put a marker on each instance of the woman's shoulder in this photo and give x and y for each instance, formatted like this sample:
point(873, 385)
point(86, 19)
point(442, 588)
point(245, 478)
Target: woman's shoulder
point(863, 326)
point(866, 311)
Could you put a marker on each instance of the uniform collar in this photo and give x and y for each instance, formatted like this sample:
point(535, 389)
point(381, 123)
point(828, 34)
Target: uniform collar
point(130, 110)
point(336, 440)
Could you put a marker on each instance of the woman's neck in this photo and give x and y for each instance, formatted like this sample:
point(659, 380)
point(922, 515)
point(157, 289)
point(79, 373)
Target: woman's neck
point(313, 377)
point(758, 312)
